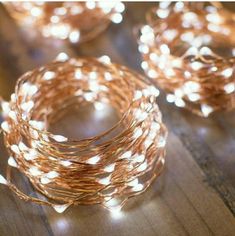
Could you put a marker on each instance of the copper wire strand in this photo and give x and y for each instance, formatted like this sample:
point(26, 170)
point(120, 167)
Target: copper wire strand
point(188, 51)
point(97, 170)
point(75, 21)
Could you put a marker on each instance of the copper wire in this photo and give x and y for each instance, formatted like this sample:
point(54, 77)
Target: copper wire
point(189, 51)
point(94, 170)
point(75, 21)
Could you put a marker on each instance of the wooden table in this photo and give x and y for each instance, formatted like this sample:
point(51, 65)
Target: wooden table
point(194, 196)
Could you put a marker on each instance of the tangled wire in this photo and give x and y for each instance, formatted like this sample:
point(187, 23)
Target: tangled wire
point(188, 49)
point(105, 169)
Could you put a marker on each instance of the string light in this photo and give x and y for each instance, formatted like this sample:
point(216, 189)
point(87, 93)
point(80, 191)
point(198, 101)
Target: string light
point(188, 50)
point(88, 171)
point(75, 21)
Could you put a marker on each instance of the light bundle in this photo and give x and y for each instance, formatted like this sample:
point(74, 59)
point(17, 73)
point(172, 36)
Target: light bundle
point(189, 51)
point(75, 21)
point(106, 169)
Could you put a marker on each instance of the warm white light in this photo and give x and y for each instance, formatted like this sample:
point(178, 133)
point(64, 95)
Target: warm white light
point(196, 65)
point(36, 11)
point(170, 98)
point(12, 162)
point(105, 59)
point(40, 125)
point(15, 149)
point(229, 88)
point(65, 163)
point(116, 18)
point(138, 187)
point(49, 75)
point(52, 174)
point(62, 57)
point(105, 181)
point(31, 155)
point(110, 168)
point(5, 126)
point(93, 160)
point(74, 36)
point(12, 115)
point(3, 180)
point(137, 133)
point(139, 158)
point(59, 138)
point(45, 180)
point(27, 106)
point(61, 208)
point(126, 155)
point(227, 72)
point(206, 109)
point(34, 171)
point(162, 13)
point(142, 167)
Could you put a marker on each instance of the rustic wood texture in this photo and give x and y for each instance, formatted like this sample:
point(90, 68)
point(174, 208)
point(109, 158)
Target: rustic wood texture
point(194, 196)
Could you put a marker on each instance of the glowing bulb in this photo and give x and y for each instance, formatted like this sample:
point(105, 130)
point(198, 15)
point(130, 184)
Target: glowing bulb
point(90, 4)
point(35, 11)
point(162, 13)
point(196, 65)
point(229, 88)
point(165, 49)
point(138, 187)
point(15, 149)
point(206, 109)
point(105, 59)
point(12, 162)
point(61, 208)
point(137, 133)
point(31, 155)
point(27, 106)
point(179, 102)
point(110, 168)
point(142, 167)
point(126, 155)
point(40, 125)
point(34, 171)
point(62, 57)
point(170, 98)
point(65, 163)
point(105, 181)
point(116, 18)
point(74, 36)
point(78, 74)
point(60, 138)
point(99, 106)
point(133, 182)
point(108, 76)
point(227, 72)
point(45, 180)
point(52, 174)
point(22, 146)
point(12, 115)
point(93, 160)
point(3, 180)
point(5, 126)
point(49, 75)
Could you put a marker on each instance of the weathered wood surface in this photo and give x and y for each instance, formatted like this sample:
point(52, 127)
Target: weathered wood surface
point(194, 196)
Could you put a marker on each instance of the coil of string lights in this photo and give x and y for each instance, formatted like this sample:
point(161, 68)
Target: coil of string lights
point(189, 51)
point(87, 171)
point(75, 21)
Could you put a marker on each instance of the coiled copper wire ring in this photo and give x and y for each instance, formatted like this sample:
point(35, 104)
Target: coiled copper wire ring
point(75, 21)
point(87, 171)
point(189, 51)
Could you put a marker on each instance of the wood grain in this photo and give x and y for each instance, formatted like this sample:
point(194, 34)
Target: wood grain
point(194, 196)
